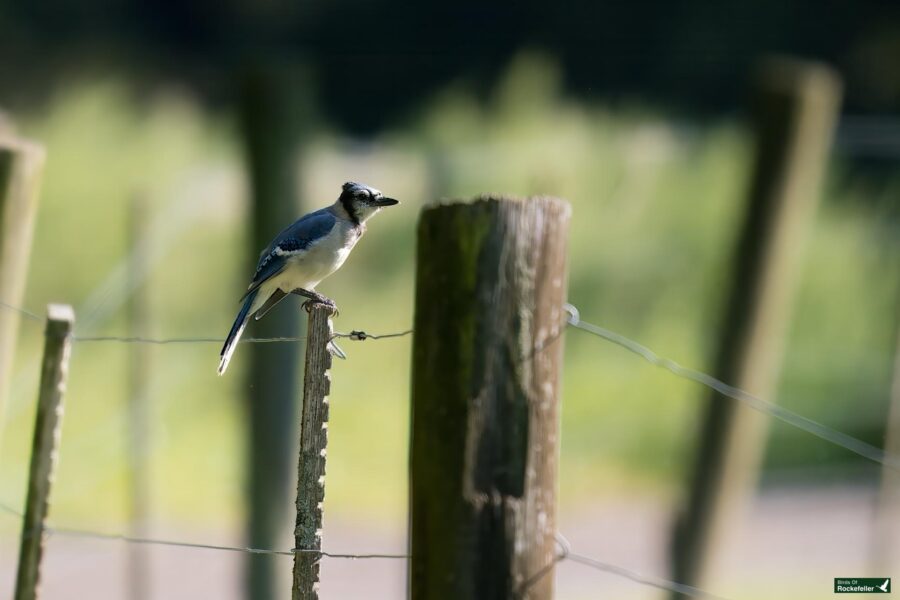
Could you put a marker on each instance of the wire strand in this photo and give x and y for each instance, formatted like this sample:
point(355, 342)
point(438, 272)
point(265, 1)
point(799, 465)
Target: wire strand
point(10, 510)
point(186, 340)
point(564, 548)
point(564, 554)
point(648, 580)
point(85, 534)
point(774, 410)
point(360, 336)
point(355, 335)
point(80, 533)
point(796, 420)
point(824, 432)
point(25, 313)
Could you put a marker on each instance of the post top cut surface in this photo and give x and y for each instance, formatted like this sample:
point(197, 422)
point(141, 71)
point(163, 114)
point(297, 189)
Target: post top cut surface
point(60, 312)
point(491, 200)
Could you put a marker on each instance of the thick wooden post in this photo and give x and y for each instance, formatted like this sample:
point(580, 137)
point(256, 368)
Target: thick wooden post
point(795, 106)
point(21, 165)
point(311, 466)
point(44, 448)
point(490, 288)
point(274, 114)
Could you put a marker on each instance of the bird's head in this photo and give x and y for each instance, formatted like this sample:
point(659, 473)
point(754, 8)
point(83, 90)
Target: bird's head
point(361, 201)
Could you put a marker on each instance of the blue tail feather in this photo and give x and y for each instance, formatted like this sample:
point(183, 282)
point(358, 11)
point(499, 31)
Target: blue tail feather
point(236, 330)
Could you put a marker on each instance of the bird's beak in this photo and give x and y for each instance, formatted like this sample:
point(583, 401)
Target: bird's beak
point(386, 202)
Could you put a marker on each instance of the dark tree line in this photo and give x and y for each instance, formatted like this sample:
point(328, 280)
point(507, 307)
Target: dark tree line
point(373, 60)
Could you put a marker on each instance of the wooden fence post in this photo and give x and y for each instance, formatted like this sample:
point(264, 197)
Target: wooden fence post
point(490, 287)
point(21, 165)
point(45, 447)
point(795, 106)
point(311, 465)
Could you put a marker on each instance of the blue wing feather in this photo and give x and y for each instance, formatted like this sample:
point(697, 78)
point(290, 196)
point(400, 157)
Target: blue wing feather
point(295, 238)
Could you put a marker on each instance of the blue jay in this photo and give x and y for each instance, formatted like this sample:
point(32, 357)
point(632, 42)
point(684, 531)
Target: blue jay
point(304, 254)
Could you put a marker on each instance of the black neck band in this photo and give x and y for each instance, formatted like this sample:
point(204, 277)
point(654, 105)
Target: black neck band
point(347, 203)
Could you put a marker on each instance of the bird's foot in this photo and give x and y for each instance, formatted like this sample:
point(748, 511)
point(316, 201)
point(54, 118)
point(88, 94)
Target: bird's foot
point(316, 298)
point(307, 306)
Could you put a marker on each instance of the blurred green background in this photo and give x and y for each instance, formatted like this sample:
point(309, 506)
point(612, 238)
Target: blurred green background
point(656, 202)
point(657, 199)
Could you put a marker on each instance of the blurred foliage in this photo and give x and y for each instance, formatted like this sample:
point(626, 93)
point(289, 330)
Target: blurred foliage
point(656, 200)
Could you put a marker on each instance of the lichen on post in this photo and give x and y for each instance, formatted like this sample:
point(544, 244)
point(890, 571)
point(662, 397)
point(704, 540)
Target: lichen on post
point(490, 288)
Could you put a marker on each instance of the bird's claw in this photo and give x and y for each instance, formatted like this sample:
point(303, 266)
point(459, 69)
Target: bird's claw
point(315, 298)
point(307, 306)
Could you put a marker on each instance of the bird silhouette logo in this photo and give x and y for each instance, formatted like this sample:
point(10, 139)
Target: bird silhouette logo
point(886, 586)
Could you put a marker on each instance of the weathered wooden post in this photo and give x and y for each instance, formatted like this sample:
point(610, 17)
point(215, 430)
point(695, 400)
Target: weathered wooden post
point(795, 106)
point(44, 448)
point(311, 465)
point(21, 165)
point(490, 287)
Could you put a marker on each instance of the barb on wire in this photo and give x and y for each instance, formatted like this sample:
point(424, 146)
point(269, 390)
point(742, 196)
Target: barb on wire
point(360, 336)
point(25, 313)
point(828, 434)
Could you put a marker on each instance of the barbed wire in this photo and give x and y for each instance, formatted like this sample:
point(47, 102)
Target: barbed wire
point(81, 533)
point(10, 510)
point(796, 420)
point(186, 340)
point(362, 335)
point(565, 553)
point(355, 334)
point(824, 432)
point(25, 313)
point(84, 533)
point(791, 418)
point(647, 580)
point(565, 548)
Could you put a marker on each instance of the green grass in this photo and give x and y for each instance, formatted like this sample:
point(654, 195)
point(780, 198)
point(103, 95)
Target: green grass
point(656, 204)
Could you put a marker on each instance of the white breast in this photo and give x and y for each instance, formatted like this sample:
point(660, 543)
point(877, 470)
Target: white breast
point(306, 269)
